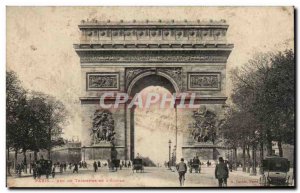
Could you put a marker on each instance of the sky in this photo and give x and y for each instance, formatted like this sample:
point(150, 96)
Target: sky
point(151, 140)
point(40, 42)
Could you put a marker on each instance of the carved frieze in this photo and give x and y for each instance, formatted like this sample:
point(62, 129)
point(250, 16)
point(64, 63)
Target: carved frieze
point(90, 35)
point(102, 81)
point(204, 81)
point(148, 56)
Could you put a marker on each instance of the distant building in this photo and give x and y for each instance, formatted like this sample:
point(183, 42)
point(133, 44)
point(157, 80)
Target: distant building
point(70, 152)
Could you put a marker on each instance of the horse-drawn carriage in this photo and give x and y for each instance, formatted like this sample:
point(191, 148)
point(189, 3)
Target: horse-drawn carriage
point(137, 165)
point(114, 164)
point(275, 171)
point(43, 167)
point(194, 165)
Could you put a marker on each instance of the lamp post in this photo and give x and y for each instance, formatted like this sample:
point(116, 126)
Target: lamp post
point(83, 153)
point(170, 142)
point(176, 133)
point(231, 155)
point(30, 163)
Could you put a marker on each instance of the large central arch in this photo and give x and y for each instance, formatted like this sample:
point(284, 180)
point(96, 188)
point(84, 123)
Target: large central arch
point(142, 81)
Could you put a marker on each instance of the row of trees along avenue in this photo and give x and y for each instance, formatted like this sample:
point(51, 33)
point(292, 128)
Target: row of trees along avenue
point(262, 109)
point(33, 120)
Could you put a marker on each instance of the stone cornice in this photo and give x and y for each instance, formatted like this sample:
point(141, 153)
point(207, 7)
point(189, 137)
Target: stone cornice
point(152, 24)
point(167, 55)
point(148, 46)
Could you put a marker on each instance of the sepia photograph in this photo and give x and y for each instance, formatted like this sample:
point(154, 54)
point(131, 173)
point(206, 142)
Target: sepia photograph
point(150, 97)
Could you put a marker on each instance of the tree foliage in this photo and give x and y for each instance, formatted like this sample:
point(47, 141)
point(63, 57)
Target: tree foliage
point(15, 101)
point(263, 100)
point(34, 120)
point(276, 100)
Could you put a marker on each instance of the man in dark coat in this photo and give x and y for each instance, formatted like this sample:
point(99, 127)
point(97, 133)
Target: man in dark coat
point(181, 168)
point(221, 172)
point(75, 168)
point(95, 166)
point(65, 166)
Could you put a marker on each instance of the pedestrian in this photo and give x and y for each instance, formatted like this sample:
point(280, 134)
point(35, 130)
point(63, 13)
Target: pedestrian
point(61, 168)
point(99, 164)
point(230, 166)
point(120, 165)
point(197, 164)
point(22, 166)
point(221, 173)
point(95, 166)
point(65, 166)
point(75, 168)
point(181, 168)
point(18, 169)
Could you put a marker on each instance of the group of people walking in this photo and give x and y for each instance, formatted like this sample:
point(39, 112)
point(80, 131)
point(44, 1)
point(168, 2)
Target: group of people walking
point(109, 163)
point(221, 171)
point(96, 165)
point(63, 166)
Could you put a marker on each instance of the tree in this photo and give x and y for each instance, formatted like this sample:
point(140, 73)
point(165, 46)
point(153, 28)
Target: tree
point(15, 101)
point(264, 96)
point(34, 121)
point(238, 131)
point(50, 115)
point(277, 99)
point(41, 117)
point(248, 81)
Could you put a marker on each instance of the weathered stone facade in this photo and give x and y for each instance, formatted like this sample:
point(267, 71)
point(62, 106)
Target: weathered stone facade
point(119, 56)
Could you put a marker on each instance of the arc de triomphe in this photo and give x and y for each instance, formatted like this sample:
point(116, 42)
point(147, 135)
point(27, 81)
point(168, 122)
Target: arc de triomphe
point(126, 57)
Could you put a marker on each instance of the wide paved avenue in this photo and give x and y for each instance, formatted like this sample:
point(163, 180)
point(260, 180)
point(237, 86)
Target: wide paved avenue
point(152, 177)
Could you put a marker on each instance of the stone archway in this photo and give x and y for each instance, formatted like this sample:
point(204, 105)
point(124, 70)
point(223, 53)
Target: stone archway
point(150, 77)
point(119, 57)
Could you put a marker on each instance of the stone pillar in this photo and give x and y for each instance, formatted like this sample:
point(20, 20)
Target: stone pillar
point(127, 132)
point(132, 132)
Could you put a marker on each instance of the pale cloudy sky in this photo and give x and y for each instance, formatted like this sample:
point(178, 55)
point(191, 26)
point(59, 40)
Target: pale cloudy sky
point(40, 41)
